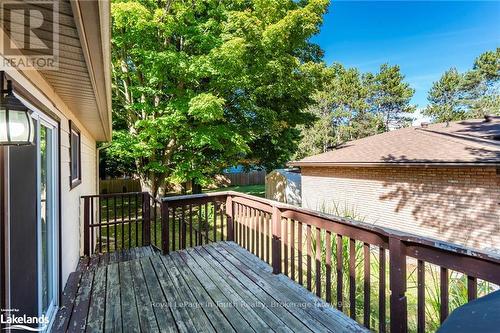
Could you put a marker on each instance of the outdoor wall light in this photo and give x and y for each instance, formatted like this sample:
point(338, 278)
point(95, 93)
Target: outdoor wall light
point(16, 124)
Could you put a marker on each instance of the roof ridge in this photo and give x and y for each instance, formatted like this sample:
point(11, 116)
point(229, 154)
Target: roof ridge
point(462, 139)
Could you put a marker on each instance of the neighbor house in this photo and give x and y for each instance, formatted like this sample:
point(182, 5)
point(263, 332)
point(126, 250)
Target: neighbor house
point(440, 180)
point(55, 106)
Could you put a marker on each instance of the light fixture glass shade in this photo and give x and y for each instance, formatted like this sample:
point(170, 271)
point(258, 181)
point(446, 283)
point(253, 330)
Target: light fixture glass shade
point(3, 125)
point(16, 124)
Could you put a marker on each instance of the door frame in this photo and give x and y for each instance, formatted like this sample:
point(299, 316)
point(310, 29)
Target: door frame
point(48, 121)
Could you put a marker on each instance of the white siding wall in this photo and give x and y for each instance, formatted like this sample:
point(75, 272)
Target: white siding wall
point(71, 212)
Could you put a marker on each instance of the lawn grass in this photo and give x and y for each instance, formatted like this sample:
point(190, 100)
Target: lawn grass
point(257, 190)
point(128, 232)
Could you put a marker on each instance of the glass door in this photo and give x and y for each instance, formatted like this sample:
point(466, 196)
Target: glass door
point(47, 221)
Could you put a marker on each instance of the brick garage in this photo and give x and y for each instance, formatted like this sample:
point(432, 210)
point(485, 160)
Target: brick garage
point(438, 181)
point(459, 205)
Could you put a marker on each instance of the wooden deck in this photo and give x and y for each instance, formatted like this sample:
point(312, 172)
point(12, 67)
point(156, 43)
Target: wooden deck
point(218, 287)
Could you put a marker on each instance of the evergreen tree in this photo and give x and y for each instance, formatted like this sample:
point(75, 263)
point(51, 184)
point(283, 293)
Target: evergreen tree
point(445, 98)
point(473, 94)
point(390, 97)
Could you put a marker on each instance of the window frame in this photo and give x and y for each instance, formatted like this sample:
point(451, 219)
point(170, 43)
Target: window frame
point(74, 182)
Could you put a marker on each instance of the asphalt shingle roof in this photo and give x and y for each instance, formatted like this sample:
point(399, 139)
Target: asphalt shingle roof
point(470, 142)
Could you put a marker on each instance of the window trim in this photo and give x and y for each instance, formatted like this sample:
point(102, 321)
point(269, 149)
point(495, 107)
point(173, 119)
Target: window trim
point(74, 182)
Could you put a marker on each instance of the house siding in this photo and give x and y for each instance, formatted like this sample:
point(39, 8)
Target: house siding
point(458, 205)
point(71, 212)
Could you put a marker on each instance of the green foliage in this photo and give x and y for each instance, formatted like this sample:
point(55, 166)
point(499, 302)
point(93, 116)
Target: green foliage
point(351, 105)
point(256, 190)
point(473, 94)
point(390, 96)
point(206, 108)
point(202, 85)
point(114, 167)
point(444, 97)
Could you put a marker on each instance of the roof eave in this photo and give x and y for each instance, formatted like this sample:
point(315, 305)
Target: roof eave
point(395, 164)
point(92, 19)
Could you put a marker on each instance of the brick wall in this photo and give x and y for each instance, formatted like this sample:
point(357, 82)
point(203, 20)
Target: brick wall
point(459, 205)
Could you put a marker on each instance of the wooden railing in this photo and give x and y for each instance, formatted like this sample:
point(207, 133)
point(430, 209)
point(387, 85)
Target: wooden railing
point(113, 222)
point(338, 259)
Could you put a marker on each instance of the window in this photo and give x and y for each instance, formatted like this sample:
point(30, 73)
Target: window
point(75, 153)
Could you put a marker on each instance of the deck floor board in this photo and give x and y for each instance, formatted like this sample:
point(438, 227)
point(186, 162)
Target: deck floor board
point(96, 313)
point(197, 315)
point(223, 303)
point(284, 297)
point(130, 313)
point(147, 318)
point(323, 312)
point(219, 287)
point(286, 321)
point(241, 304)
point(218, 321)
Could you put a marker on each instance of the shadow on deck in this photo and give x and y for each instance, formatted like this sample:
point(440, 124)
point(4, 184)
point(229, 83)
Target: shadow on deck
point(217, 287)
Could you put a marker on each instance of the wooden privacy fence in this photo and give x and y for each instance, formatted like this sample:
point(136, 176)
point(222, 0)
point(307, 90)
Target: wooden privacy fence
point(330, 256)
point(119, 185)
point(245, 178)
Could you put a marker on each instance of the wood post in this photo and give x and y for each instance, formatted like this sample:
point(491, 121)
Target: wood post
point(471, 288)
point(230, 216)
point(183, 228)
point(165, 241)
point(86, 227)
point(444, 287)
point(397, 281)
point(146, 219)
point(276, 242)
point(381, 290)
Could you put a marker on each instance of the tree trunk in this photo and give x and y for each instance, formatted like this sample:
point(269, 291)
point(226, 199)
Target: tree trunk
point(149, 185)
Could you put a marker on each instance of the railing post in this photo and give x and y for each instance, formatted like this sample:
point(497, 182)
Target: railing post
point(230, 215)
point(146, 219)
point(86, 227)
point(183, 228)
point(397, 280)
point(276, 242)
point(165, 241)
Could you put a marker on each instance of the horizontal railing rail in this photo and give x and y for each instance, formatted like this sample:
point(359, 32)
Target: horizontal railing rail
point(362, 269)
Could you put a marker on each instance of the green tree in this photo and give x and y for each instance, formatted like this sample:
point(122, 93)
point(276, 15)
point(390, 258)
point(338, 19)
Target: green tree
point(345, 108)
point(473, 94)
point(481, 85)
point(445, 98)
point(201, 85)
point(339, 99)
point(318, 135)
point(389, 97)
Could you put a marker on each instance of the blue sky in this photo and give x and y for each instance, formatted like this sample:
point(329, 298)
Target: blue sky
point(424, 38)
